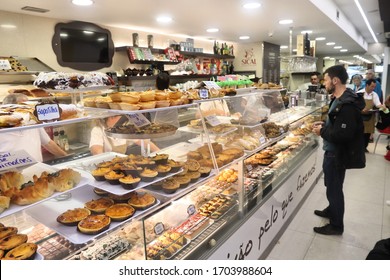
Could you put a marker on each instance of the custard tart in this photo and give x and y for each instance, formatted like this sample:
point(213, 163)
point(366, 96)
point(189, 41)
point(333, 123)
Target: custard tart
point(141, 200)
point(120, 212)
point(25, 251)
point(73, 217)
point(12, 241)
point(99, 205)
point(94, 224)
point(6, 231)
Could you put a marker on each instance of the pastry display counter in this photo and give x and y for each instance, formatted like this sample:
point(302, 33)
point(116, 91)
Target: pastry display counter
point(208, 178)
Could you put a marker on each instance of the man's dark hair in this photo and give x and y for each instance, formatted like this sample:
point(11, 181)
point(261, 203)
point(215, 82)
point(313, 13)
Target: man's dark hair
point(370, 81)
point(162, 81)
point(337, 71)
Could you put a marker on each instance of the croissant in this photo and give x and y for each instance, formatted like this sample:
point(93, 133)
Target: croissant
point(64, 179)
point(10, 183)
point(31, 193)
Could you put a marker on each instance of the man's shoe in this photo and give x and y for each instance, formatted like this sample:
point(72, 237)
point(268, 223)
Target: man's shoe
point(329, 230)
point(321, 213)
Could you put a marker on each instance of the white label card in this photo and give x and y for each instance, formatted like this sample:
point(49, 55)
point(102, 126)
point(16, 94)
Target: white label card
point(139, 120)
point(213, 120)
point(159, 228)
point(262, 140)
point(4, 64)
point(203, 93)
point(15, 159)
point(211, 84)
point(47, 112)
point(191, 209)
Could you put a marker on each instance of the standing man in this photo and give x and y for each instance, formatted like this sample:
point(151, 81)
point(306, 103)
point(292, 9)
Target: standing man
point(343, 144)
point(370, 74)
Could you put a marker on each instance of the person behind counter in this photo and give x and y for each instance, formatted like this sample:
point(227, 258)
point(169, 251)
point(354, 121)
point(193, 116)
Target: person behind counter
point(101, 143)
point(30, 139)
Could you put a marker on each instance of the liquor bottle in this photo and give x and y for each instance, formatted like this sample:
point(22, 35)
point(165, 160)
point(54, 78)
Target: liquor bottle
point(307, 45)
point(215, 47)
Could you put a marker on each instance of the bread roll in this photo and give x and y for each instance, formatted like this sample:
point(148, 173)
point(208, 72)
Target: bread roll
point(4, 203)
point(10, 183)
point(38, 92)
point(69, 111)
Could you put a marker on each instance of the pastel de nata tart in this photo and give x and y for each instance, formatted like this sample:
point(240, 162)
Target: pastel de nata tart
point(204, 171)
point(123, 198)
point(12, 241)
point(192, 165)
point(147, 95)
point(184, 181)
point(129, 182)
point(194, 175)
point(163, 169)
point(157, 185)
point(25, 251)
point(104, 164)
point(6, 231)
point(120, 212)
point(100, 192)
point(130, 97)
point(99, 173)
point(113, 177)
point(94, 224)
point(73, 217)
point(170, 186)
point(99, 205)
point(148, 175)
point(175, 165)
point(160, 158)
point(131, 169)
point(141, 200)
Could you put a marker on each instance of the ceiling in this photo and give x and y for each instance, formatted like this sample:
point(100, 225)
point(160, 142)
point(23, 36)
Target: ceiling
point(192, 18)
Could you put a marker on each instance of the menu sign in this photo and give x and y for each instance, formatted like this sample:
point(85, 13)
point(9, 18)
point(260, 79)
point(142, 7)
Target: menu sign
point(271, 63)
point(15, 159)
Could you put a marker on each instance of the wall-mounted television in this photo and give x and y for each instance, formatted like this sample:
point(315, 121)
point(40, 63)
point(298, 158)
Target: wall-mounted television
point(82, 46)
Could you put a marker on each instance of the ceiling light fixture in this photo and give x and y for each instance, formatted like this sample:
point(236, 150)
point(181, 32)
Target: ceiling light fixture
point(377, 58)
point(244, 37)
point(8, 26)
point(212, 30)
point(366, 20)
point(327, 57)
point(284, 47)
point(345, 62)
point(82, 2)
point(295, 50)
point(343, 50)
point(306, 31)
point(338, 47)
point(252, 5)
point(164, 19)
point(320, 38)
point(285, 21)
point(330, 43)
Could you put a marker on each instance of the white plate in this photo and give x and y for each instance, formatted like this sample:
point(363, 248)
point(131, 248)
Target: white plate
point(47, 213)
point(28, 173)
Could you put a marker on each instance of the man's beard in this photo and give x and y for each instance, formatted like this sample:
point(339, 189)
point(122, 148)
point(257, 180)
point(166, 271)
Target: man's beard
point(331, 90)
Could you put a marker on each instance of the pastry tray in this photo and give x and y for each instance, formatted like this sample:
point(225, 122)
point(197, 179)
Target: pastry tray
point(140, 136)
point(188, 241)
point(28, 173)
point(47, 213)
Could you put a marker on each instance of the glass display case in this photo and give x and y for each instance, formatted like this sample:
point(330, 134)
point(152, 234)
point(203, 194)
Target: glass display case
point(216, 161)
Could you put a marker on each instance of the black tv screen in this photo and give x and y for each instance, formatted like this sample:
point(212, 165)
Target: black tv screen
point(83, 46)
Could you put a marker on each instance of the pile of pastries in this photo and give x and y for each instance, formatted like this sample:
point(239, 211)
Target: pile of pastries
point(15, 189)
point(166, 245)
point(152, 129)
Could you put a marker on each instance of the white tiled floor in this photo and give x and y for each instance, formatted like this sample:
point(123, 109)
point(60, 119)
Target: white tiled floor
point(366, 219)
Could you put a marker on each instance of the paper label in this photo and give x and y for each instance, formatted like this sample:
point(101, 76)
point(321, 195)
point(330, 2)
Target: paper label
point(249, 167)
point(211, 84)
point(4, 64)
point(47, 112)
point(213, 120)
point(191, 209)
point(15, 159)
point(159, 228)
point(139, 120)
point(203, 93)
point(262, 140)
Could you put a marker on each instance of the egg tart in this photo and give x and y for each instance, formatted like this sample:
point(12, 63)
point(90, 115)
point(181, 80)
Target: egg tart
point(99, 205)
point(163, 169)
point(120, 212)
point(157, 185)
point(131, 169)
point(6, 231)
point(175, 165)
point(170, 186)
point(160, 158)
point(104, 164)
point(25, 251)
point(73, 217)
point(204, 171)
point(12, 241)
point(129, 182)
point(120, 198)
point(193, 175)
point(99, 173)
point(113, 177)
point(192, 165)
point(100, 192)
point(184, 181)
point(148, 175)
point(141, 200)
point(94, 224)
point(130, 97)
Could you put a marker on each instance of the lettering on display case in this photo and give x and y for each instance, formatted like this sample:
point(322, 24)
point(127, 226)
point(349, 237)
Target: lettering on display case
point(257, 233)
point(15, 159)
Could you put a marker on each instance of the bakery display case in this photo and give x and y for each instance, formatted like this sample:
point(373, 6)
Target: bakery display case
point(217, 160)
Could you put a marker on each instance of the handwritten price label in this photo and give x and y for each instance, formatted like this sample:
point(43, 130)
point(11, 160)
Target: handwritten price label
point(16, 159)
point(159, 228)
point(213, 120)
point(47, 112)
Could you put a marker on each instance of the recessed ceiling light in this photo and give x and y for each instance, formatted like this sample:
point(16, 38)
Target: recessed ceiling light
point(343, 50)
point(338, 47)
point(306, 31)
point(295, 50)
point(252, 5)
point(284, 47)
point(82, 2)
point(64, 35)
point(244, 37)
point(327, 57)
point(164, 19)
point(320, 38)
point(285, 21)
point(8, 26)
point(212, 30)
point(330, 43)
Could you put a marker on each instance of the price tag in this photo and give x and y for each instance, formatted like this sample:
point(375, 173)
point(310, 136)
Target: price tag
point(159, 228)
point(213, 120)
point(249, 167)
point(15, 159)
point(211, 84)
point(47, 112)
point(203, 93)
point(5, 65)
point(281, 130)
point(191, 209)
point(138, 120)
point(262, 140)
